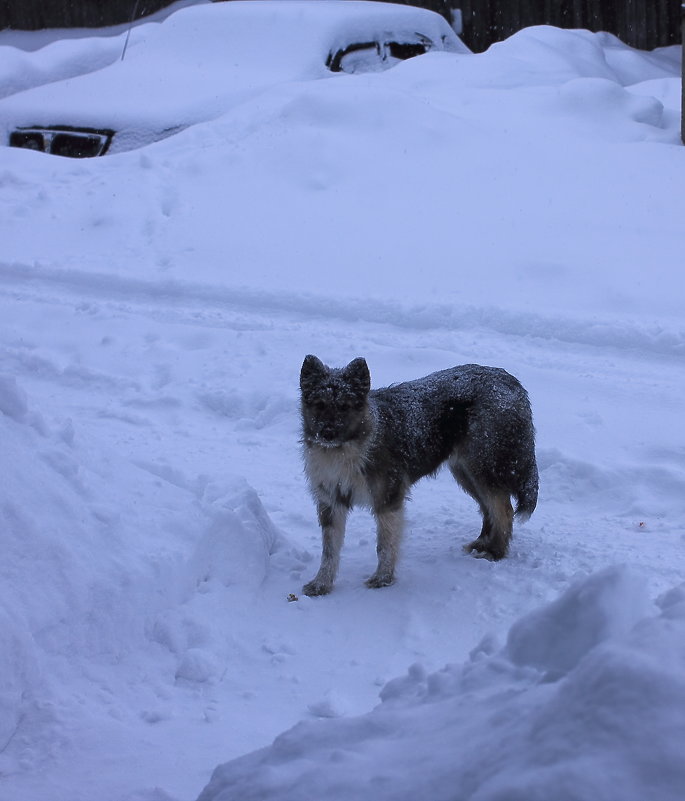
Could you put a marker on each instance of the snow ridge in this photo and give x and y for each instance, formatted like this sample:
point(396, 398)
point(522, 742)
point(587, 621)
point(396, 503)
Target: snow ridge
point(658, 338)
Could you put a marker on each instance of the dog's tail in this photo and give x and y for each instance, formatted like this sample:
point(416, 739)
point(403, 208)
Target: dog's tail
point(527, 493)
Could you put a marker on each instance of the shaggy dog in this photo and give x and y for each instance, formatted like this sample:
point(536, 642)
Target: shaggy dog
point(365, 447)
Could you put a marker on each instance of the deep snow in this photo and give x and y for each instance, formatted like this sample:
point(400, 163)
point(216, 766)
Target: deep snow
point(584, 701)
point(203, 60)
point(520, 208)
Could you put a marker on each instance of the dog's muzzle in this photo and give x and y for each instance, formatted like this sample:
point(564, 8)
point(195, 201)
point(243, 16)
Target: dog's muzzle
point(325, 440)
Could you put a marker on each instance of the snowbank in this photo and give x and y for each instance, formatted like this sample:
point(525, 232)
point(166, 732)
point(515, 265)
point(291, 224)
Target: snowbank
point(336, 169)
point(584, 701)
point(105, 564)
point(34, 58)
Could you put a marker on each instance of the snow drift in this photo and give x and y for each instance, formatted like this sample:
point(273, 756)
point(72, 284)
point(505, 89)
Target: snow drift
point(584, 701)
point(103, 564)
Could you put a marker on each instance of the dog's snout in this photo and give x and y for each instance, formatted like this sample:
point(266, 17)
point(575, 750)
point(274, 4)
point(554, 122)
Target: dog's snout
point(328, 432)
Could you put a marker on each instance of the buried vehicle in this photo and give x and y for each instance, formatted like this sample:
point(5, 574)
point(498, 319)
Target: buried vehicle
point(205, 59)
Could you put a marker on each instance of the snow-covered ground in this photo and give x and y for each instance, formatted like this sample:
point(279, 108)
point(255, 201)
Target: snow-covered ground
point(522, 208)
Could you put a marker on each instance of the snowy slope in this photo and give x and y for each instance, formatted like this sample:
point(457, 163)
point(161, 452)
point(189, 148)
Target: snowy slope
point(521, 208)
point(584, 701)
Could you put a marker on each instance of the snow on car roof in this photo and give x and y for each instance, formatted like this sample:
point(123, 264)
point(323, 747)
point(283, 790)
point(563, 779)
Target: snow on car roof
point(316, 23)
point(205, 58)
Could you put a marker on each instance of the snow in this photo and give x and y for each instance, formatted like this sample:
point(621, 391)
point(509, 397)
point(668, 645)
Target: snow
point(520, 208)
point(34, 58)
point(609, 725)
point(204, 59)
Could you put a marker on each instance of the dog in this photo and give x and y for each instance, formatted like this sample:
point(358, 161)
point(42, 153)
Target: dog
point(365, 447)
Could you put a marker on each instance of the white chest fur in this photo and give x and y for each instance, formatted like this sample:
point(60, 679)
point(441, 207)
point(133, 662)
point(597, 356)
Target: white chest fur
point(337, 472)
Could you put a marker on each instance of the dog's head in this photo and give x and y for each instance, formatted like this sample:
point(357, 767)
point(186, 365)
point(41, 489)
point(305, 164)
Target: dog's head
point(334, 402)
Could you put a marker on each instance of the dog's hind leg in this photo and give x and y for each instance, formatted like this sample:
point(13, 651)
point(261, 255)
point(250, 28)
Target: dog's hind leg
point(496, 509)
point(332, 519)
point(389, 527)
point(495, 536)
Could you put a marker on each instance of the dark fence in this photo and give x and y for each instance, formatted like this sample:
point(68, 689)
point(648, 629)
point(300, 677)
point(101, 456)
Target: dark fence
point(32, 15)
point(641, 23)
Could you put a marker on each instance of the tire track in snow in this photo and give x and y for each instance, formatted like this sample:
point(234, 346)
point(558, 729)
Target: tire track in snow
point(182, 299)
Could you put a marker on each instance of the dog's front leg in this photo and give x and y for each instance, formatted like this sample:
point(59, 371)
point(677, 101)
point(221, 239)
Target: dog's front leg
point(332, 519)
point(389, 527)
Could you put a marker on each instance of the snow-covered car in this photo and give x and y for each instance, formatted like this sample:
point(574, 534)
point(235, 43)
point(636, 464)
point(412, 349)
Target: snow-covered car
point(205, 59)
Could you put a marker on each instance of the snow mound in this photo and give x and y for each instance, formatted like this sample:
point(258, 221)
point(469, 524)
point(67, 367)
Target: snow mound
point(55, 62)
point(585, 701)
point(103, 563)
point(557, 637)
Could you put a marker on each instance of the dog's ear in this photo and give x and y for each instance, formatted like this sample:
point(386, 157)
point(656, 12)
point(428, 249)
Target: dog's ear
point(357, 375)
point(312, 372)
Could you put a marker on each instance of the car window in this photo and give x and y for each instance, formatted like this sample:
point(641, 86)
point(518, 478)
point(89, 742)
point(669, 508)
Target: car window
point(405, 50)
point(357, 57)
point(374, 56)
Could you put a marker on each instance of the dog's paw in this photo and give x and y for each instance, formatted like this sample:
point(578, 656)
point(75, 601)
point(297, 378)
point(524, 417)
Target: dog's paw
point(482, 550)
point(482, 555)
point(478, 548)
point(379, 580)
point(314, 588)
